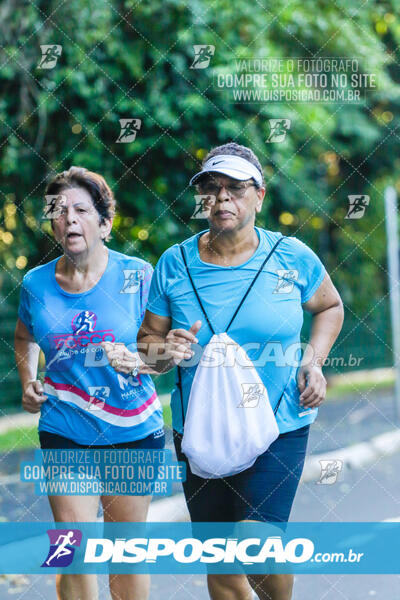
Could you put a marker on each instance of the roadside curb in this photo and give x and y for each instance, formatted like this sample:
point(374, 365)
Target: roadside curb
point(355, 456)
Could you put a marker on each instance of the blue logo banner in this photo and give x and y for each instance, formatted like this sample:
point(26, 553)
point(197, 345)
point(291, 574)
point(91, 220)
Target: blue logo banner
point(247, 547)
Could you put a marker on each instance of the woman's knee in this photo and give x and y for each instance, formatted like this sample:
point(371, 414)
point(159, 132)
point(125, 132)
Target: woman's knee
point(74, 509)
point(125, 508)
point(272, 587)
point(130, 586)
point(76, 587)
point(232, 587)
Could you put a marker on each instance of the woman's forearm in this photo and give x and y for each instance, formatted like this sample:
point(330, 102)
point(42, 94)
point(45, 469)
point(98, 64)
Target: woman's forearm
point(27, 359)
point(325, 328)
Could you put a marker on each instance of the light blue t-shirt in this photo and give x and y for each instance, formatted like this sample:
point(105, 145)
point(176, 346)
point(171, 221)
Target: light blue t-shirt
point(88, 401)
point(267, 325)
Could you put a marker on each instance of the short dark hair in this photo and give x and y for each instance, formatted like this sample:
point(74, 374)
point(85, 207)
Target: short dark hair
point(95, 184)
point(235, 149)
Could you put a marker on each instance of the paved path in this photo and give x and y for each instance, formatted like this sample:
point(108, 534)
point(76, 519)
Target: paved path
point(368, 492)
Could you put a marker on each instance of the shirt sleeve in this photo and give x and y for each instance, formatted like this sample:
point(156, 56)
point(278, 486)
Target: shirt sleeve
point(24, 309)
point(311, 271)
point(145, 288)
point(158, 302)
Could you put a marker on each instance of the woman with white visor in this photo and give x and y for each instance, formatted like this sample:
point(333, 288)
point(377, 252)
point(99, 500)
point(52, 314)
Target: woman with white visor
point(253, 284)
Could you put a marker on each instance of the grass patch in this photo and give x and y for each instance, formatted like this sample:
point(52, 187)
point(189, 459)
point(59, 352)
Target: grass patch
point(345, 389)
point(19, 439)
point(167, 414)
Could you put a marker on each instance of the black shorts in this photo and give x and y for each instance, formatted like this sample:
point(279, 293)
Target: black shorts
point(52, 441)
point(264, 492)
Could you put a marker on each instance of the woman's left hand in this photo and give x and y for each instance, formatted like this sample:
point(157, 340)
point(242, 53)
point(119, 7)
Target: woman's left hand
point(123, 360)
point(312, 386)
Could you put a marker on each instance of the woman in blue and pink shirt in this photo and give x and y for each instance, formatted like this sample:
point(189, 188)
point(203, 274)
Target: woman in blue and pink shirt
point(75, 309)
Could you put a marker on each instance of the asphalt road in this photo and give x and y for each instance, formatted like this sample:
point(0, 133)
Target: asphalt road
point(369, 494)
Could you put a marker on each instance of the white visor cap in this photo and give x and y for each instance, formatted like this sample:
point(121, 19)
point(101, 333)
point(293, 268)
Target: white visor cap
point(232, 166)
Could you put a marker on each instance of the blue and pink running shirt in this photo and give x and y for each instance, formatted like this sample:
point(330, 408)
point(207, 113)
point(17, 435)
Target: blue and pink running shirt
point(87, 400)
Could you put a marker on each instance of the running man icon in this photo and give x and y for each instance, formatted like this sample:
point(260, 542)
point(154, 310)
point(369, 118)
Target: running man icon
point(84, 321)
point(61, 553)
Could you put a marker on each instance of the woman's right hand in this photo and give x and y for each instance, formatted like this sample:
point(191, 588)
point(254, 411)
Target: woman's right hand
point(178, 342)
point(33, 396)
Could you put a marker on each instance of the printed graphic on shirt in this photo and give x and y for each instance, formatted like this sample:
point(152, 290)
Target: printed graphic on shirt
point(123, 417)
point(83, 339)
point(83, 332)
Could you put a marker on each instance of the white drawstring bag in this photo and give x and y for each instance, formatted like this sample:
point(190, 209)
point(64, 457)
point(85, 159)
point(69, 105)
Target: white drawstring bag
point(229, 420)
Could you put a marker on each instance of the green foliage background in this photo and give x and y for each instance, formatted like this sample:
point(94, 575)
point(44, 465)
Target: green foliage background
point(125, 59)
